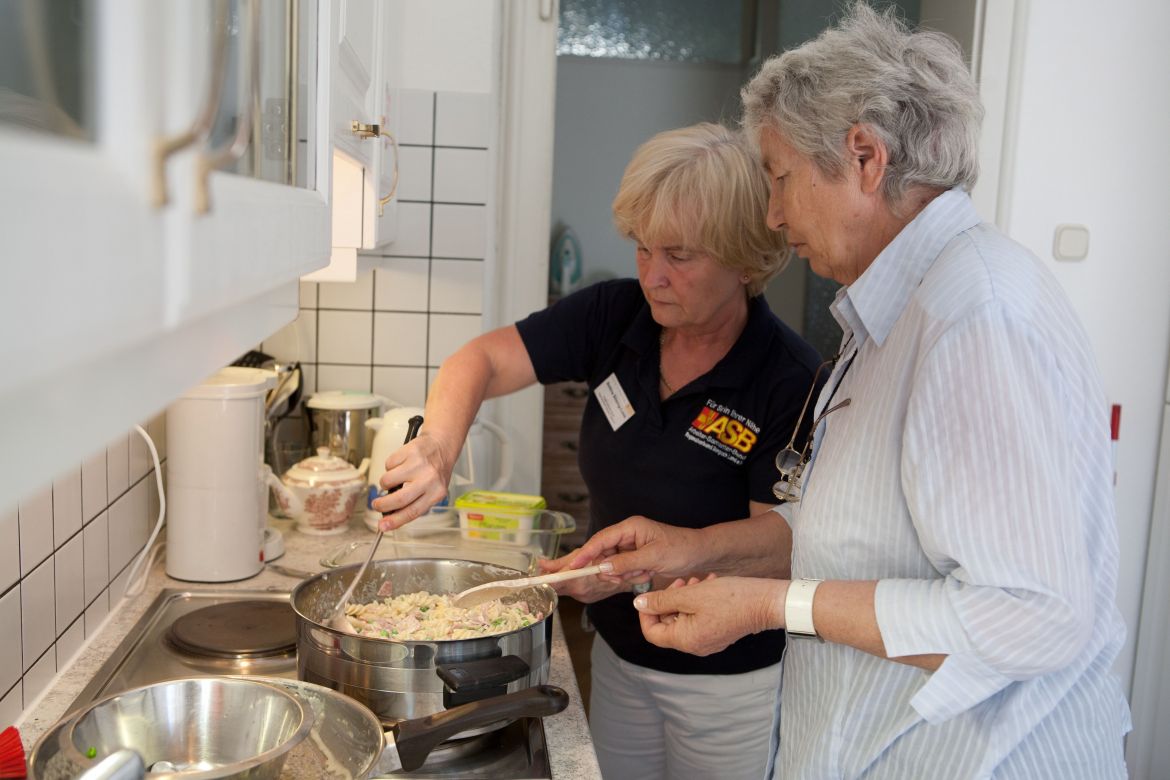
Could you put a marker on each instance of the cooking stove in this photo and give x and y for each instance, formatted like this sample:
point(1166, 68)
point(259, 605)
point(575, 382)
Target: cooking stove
point(253, 632)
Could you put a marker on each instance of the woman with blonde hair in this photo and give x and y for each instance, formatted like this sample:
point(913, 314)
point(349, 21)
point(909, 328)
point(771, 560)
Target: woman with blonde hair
point(697, 386)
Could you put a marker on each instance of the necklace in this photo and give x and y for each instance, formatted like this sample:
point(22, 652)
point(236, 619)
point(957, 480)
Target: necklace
point(662, 376)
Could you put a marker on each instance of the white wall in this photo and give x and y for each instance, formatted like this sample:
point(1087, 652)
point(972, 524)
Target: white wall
point(605, 109)
point(1090, 148)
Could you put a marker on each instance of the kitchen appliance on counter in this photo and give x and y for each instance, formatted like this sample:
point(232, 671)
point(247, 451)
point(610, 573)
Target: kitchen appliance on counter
point(485, 442)
point(321, 492)
point(254, 632)
point(217, 497)
point(337, 420)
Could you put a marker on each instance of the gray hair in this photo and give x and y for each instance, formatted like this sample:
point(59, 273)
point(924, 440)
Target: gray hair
point(911, 88)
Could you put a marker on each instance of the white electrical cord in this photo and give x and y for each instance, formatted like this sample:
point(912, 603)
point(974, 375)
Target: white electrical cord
point(134, 588)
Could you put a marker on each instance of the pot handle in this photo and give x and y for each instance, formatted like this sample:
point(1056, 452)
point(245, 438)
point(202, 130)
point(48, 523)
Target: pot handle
point(415, 739)
point(483, 673)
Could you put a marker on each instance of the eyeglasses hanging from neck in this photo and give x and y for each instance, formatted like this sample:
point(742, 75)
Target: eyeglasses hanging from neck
point(790, 463)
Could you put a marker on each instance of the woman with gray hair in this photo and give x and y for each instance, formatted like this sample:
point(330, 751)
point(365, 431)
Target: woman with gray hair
point(951, 608)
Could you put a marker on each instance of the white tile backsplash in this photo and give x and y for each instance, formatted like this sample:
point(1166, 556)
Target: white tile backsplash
point(457, 286)
point(128, 527)
point(118, 466)
point(93, 485)
point(460, 231)
point(9, 553)
point(296, 341)
point(10, 651)
point(96, 552)
point(38, 627)
point(140, 461)
point(344, 378)
point(401, 284)
point(36, 529)
point(400, 339)
point(357, 295)
point(405, 386)
point(463, 119)
point(308, 295)
point(37, 678)
point(428, 286)
point(344, 336)
point(449, 332)
point(461, 175)
point(66, 505)
point(11, 704)
point(414, 172)
point(69, 582)
point(416, 116)
point(96, 613)
point(70, 642)
point(414, 231)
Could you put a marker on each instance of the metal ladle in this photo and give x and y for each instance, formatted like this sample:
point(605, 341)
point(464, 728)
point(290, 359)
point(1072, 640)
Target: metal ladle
point(337, 619)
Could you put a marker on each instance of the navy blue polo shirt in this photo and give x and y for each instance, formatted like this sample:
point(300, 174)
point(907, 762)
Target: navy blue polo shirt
point(693, 460)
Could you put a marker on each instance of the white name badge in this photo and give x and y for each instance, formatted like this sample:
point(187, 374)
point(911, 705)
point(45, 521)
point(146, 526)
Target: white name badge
point(613, 401)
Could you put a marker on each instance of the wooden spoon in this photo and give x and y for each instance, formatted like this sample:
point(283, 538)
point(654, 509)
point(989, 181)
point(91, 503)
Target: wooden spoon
point(500, 588)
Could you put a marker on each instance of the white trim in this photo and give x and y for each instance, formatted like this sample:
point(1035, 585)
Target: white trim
point(997, 62)
point(527, 97)
point(1147, 753)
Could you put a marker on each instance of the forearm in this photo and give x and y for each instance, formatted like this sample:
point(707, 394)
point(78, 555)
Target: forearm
point(843, 612)
point(491, 365)
point(759, 546)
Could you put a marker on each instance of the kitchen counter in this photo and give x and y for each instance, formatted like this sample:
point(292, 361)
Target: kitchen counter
point(570, 746)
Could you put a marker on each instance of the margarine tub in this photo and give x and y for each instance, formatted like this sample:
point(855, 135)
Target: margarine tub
point(498, 517)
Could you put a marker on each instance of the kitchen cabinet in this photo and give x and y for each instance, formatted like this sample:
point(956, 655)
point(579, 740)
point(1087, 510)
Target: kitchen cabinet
point(166, 184)
point(363, 129)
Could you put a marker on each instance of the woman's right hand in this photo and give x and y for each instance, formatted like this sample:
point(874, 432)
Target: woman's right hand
point(639, 546)
point(418, 473)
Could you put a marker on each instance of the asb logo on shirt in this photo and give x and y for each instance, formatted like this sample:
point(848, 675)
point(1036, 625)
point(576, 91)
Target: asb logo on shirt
point(724, 431)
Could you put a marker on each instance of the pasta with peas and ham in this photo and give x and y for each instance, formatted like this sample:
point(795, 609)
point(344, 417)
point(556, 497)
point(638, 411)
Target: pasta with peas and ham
point(425, 616)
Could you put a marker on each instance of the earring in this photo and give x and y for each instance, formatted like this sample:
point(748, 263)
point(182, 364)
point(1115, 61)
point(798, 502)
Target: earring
point(745, 278)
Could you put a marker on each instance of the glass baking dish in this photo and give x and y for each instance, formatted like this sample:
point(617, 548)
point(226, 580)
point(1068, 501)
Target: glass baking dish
point(438, 535)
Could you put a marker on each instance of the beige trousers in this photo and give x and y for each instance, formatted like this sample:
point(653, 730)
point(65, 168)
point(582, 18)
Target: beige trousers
point(651, 725)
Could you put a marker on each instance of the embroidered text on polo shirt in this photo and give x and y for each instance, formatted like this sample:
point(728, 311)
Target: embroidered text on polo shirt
point(724, 431)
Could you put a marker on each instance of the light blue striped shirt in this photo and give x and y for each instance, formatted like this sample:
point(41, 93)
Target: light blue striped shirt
point(971, 476)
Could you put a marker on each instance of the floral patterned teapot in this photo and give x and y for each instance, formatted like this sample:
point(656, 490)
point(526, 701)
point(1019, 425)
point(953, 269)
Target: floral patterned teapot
point(321, 492)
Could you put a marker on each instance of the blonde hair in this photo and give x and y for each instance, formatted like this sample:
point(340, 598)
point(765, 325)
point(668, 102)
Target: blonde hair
point(702, 186)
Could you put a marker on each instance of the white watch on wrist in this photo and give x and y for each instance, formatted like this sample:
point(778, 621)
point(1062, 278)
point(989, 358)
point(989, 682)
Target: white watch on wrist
point(798, 604)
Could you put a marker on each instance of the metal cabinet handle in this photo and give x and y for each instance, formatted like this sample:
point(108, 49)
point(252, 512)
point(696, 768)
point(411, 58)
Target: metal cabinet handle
point(571, 446)
point(575, 392)
point(214, 159)
point(201, 127)
point(573, 498)
point(379, 131)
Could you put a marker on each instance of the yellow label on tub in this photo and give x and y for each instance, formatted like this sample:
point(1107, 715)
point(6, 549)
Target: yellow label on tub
point(488, 501)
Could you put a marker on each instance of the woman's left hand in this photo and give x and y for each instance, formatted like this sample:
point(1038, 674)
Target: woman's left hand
point(702, 617)
point(585, 589)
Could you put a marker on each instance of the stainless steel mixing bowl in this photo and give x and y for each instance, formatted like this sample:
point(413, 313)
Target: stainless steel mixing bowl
point(195, 728)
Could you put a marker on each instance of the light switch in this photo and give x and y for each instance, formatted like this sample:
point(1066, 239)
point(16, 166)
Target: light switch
point(1070, 242)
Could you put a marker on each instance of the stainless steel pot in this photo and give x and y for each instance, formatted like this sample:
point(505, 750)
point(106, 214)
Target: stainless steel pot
point(399, 680)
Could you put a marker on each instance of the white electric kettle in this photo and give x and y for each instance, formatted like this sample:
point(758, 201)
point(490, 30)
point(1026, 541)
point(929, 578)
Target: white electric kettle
point(389, 434)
